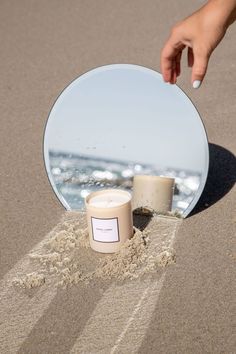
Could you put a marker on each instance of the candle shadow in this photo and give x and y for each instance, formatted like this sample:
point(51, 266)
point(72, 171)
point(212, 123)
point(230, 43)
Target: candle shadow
point(221, 177)
point(141, 220)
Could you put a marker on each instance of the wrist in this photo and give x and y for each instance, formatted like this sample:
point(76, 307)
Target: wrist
point(225, 11)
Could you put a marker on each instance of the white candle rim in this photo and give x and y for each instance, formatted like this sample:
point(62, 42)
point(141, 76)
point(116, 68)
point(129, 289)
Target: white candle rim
point(170, 179)
point(106, 191)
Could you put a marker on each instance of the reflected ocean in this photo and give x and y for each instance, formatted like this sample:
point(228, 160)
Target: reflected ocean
point(75, 176)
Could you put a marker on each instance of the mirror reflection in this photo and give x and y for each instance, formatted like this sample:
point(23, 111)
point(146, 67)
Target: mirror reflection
point(122, 120)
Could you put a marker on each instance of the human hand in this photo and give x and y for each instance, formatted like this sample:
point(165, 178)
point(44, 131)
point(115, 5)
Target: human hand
point(200, 33)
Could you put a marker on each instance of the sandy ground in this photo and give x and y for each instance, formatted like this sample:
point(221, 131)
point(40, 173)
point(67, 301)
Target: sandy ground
point(45, 45)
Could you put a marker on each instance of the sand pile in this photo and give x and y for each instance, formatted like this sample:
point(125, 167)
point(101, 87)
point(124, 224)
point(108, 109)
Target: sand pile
point(66, 257)
point(29, 281)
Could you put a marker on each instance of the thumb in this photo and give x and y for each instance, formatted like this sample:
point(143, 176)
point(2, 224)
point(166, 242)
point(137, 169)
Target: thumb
point(199, 67)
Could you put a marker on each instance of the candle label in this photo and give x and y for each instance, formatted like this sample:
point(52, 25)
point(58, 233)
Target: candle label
point(105, 230)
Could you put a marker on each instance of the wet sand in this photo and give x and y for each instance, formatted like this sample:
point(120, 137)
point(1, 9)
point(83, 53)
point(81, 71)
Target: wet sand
point(43, 47)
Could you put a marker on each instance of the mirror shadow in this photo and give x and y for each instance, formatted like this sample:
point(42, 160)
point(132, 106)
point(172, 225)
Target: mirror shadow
point(141, 219)
point(221, 177)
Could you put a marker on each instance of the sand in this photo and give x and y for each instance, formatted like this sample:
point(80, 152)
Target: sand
point(66, 258)
point(43, 48)
point(29, 281)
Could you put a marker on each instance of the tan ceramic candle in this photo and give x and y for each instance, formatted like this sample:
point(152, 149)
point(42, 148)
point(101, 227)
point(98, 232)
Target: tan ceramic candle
point(153, 192)
point(109, 218)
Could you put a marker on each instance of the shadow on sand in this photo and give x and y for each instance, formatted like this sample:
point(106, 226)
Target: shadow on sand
point(221, 177)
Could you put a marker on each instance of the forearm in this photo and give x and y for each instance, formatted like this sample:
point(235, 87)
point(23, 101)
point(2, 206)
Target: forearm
point(226, 10)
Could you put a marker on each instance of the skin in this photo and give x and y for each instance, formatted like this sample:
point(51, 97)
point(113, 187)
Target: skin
point(200, 33)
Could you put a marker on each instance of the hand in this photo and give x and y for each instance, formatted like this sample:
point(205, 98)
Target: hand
point(200, 33)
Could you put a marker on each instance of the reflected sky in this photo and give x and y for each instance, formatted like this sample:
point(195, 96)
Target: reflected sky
point(128, 113)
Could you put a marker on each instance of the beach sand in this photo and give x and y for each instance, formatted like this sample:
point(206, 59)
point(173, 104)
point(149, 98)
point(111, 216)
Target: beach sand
point(187, 307)
point(65, 257)
point(130, 279)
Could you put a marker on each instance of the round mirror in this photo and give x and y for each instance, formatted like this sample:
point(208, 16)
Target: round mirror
point(122, 120)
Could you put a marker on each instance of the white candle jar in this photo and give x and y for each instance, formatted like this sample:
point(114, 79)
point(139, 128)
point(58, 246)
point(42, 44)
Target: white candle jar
point(109, 218)
point(153, 192)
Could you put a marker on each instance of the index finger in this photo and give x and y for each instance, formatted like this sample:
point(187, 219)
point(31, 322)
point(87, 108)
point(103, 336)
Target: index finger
point(168, 56)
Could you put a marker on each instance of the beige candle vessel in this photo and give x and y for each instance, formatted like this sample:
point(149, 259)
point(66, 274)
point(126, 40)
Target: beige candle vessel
point(109, 218)
point(153, 192)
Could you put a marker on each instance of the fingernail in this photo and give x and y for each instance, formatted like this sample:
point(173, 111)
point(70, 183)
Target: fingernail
point(196, 84)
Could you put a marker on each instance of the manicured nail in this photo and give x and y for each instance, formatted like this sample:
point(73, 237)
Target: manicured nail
point(196, 84)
